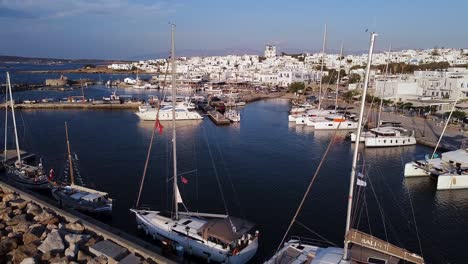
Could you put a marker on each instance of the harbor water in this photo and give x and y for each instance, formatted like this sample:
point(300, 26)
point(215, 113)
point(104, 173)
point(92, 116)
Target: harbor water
point(263, 165)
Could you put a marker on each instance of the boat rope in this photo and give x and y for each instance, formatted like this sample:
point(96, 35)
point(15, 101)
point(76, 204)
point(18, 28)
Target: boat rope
point(315, 233)
point(381, 210)
point(229, 178)
point(412, 213)
point(215, 172)
point(157, 125)
point(325, 154)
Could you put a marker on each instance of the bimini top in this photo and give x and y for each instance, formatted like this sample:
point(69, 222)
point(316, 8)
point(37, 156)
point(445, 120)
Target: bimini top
point(226, 229)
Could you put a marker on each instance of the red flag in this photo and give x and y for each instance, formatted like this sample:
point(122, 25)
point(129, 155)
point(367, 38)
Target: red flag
point(51, 174)
point(183, 179)
point(159, 126)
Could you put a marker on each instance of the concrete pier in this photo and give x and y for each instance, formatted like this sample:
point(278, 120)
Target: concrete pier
point(87, 105)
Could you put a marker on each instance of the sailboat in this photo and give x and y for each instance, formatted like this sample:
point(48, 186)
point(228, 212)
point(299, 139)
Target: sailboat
point(359, 247)
point(213, 237)
point(386, 134)
point(78, 197)
point(26, 175)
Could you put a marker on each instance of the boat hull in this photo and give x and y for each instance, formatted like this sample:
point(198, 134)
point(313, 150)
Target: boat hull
point(165, 116)
point(28, 183)
point(412, 169)
point(452, 181)
point(65, 201)
point(370, 142)
point(161, 231)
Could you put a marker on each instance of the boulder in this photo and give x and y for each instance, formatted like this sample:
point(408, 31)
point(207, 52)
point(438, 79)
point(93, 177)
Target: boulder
point(71, 251)
point(15, 235)
point(34, 234)
point(18, 203)
point(10, 197)
point(21, 227)
point(33, 209)
point(91, 242)
point(82, 257)
point(16, 220)
point(77, 239)
point(17, 212)
point(24, 252)
point(59, 260)
point(98, 260)
point(44, 217)
point(5, 214)
point(75, 227)
point(52, 226)
point(28, 261)
point(7, 245)
point(53, 243)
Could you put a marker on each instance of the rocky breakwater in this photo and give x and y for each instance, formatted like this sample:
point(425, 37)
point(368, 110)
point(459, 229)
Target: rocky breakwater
point(32, 234)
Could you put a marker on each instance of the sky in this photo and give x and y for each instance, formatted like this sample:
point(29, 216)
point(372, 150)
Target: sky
point(133, 29)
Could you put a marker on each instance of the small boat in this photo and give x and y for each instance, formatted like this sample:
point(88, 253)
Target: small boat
point(166, 112)
point(26, 175)
point(78, 197)
point(232, 115)
point(332, 122)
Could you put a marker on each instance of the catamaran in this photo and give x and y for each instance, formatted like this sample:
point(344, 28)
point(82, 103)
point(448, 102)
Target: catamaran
point(78, 197)
point(214, 237)
point(359, 247)
point(29, 176)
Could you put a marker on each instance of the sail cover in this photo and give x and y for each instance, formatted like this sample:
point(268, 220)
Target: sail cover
point(178, 197)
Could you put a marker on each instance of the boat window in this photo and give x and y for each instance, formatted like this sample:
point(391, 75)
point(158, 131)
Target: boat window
point(391, 141)
point(376, 261)
point(330, 124)
point(385, 141)
point(403, 141)
point(396, 141)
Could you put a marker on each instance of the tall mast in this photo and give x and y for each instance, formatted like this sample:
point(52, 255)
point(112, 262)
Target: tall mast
point(321, 67)
point(6, 124)
point(14, 119)
point(174, 142)
point(385, 83)
point(356, 147)
point(70, 163)
point(338, 80)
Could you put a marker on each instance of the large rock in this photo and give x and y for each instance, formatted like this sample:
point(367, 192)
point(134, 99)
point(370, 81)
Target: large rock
point(18, 203)
point(77, 239)
point(34, 234)
point(59, 260)
point(24, 252)
point(21, 227)
point(5, 214)
point(71, 251)
point(7, 245)
point(28, 261)
point(53, 243)
point(10, 197)
point(44, 217)
point(33, 209)
point(75, 227)
point(16, 220)
point(98, 260)
point(82, 257)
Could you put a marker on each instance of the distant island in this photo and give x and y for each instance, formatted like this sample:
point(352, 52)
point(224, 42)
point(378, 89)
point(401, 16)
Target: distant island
point(19, 59)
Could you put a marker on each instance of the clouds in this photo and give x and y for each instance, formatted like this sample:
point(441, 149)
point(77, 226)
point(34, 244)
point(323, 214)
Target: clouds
point(57, 9)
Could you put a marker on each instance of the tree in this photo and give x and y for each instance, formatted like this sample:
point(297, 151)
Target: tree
point(459, 115)
point(296, 87)
point(354, 78)
point(89, 66)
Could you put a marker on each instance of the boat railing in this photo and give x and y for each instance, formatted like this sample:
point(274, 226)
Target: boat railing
point(312, 241)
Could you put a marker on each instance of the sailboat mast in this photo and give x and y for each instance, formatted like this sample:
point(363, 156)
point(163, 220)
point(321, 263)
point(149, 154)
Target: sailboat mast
point(321, 67)
point(338, 79)
point(6, 124)
point(385, 83)
point(70, 163)
point(174, 142)
point(14, 119)
point(356, 147)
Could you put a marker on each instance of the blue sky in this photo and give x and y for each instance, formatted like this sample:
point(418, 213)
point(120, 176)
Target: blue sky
point(120, 29)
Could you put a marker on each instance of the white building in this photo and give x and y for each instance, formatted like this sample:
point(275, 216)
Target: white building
point(270, 51)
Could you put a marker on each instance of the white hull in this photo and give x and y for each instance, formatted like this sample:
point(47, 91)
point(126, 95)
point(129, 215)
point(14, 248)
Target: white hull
point(150, 115)
point(389, 141)
point(325, 125)
point(452, 181)
point(160, 228)
point(412, 169)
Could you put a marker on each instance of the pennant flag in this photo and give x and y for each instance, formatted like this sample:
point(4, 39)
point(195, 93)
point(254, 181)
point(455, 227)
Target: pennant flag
point(183, 179)
point(159, 126)
point(178, 197)
point(51, 174)
point(361, 183)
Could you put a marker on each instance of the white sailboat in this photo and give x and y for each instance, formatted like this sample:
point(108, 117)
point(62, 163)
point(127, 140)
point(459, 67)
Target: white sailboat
point(78, 197)
point(359, 247)
point(26, 175)
point(213, 237)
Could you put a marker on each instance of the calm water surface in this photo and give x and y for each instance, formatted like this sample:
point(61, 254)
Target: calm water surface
point(264, 166)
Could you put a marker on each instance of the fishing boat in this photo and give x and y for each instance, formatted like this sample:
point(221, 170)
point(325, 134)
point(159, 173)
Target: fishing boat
point(359, 247)
point(213, 237)
point(78, 197)
point(26, 175)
